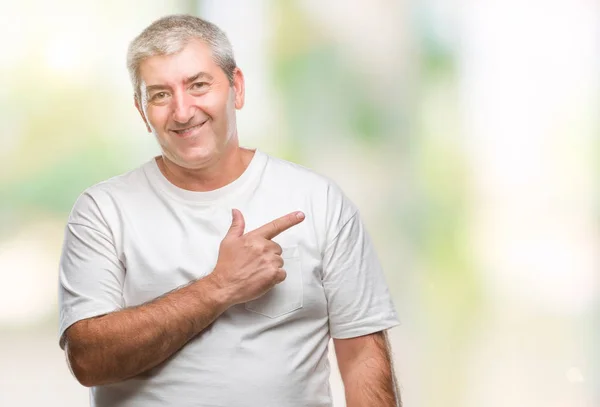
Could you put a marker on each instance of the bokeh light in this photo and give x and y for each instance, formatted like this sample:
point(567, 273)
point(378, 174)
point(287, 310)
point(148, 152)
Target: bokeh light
point(466, 132)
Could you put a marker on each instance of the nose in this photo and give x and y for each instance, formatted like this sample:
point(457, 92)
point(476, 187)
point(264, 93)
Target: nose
point(183, 107)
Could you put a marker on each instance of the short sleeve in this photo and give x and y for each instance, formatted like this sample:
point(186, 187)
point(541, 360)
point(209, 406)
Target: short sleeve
point(90, 273)
point(358, 299)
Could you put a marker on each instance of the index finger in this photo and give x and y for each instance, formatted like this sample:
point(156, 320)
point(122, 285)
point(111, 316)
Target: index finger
point(275, 227)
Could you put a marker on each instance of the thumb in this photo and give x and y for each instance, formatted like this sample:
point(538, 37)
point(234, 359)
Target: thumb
point(237, 223)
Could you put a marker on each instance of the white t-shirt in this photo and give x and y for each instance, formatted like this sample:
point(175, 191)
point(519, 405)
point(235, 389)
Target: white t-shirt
point(137, 236)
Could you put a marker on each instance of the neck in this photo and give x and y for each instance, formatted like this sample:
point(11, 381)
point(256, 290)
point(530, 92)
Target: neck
point(224, 170)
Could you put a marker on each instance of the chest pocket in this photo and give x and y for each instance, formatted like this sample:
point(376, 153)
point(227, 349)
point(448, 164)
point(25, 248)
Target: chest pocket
point(286, 296)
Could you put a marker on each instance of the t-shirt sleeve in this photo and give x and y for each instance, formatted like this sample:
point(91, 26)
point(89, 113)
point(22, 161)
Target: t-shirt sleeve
point(358, 299)
point(90, 273)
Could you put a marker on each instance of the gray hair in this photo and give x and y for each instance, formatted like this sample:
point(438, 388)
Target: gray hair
point(169, 35)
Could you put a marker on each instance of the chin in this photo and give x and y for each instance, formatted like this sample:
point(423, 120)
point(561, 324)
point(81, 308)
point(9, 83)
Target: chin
point(195, 158)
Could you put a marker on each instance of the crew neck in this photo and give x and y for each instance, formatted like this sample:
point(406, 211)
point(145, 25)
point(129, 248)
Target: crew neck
point(249, 177)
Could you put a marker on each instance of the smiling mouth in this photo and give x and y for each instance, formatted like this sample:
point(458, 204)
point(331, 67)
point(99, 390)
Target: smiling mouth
point(189, 130)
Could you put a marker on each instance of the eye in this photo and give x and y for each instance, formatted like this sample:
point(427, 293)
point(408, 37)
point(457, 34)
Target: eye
point(199, 85)
point(158, 97)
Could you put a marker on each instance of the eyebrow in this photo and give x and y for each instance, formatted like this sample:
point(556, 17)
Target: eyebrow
point(199, 75)
point(188, 80)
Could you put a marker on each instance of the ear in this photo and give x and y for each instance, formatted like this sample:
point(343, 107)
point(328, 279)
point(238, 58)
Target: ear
point(141, 111)
point(239, 87)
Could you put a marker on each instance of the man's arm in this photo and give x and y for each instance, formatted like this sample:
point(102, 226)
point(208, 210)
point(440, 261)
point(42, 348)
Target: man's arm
point(367, 371)
point(123, 344)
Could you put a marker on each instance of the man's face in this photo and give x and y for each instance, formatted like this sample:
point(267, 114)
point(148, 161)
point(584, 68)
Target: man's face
point(189, 104)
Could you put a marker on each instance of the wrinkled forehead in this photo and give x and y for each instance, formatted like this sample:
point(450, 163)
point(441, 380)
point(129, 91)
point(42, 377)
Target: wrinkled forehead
point(171, 69)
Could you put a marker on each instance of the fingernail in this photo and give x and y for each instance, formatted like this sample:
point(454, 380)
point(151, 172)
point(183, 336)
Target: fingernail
point(300, 215)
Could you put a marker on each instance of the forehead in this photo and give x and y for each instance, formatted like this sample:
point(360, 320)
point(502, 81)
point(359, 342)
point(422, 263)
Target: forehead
point(195, 57)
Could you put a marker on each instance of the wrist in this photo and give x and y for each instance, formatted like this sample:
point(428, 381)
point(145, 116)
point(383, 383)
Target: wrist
point(218, 292)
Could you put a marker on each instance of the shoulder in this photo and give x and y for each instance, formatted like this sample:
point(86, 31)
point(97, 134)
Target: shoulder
point(300, 177)
point(324, 193)
point(104, 196)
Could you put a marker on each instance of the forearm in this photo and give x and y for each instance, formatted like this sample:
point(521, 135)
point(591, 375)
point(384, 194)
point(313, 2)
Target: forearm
point(367, 371)
point(123, 344)
point(371, 383)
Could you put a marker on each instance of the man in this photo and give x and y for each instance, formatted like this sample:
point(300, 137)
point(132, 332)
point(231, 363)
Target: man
point(215, 275)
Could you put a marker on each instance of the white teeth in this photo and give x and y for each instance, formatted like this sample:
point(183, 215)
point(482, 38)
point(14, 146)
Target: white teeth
point(189, 129)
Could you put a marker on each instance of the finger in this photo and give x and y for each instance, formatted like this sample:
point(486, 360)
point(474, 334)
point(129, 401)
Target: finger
point(275, 227)
point(281, 275)
point(274, 247)
point(237, 224)
point(278, 261)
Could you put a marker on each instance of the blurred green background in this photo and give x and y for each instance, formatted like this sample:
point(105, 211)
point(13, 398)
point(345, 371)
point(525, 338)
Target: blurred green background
point(466, 132)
